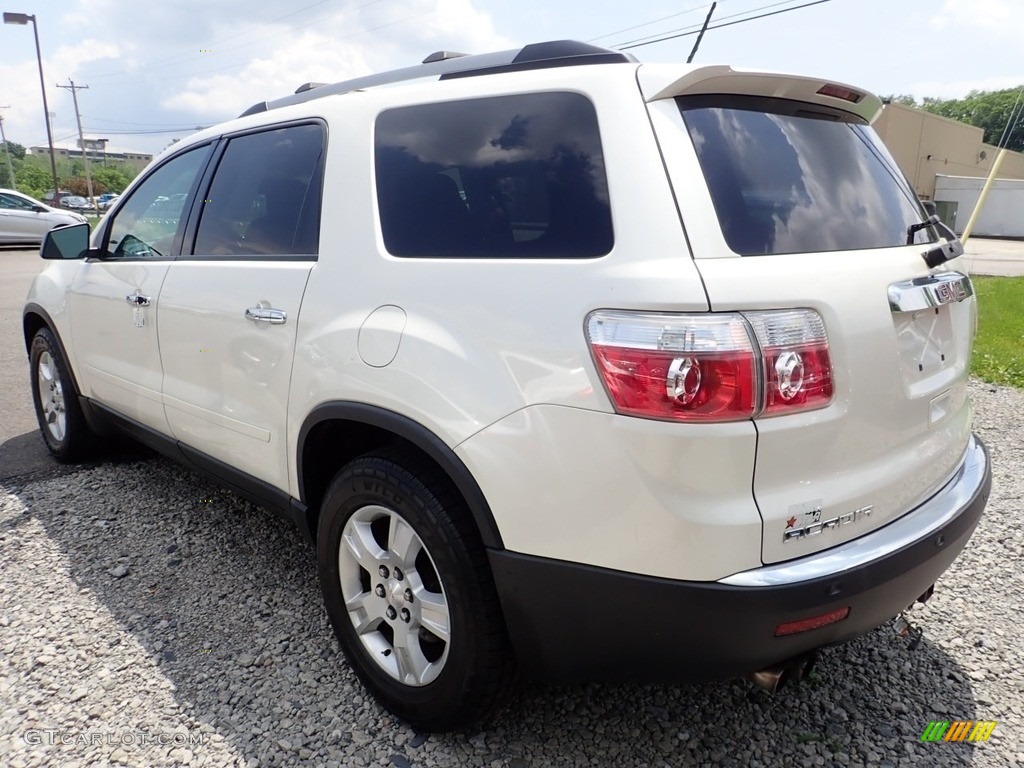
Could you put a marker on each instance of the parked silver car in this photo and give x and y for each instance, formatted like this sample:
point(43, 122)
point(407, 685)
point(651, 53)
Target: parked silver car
point(24, 220)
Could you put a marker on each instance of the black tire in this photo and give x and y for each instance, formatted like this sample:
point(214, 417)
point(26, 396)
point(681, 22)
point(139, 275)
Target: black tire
point(60, 417)
point(476, 669)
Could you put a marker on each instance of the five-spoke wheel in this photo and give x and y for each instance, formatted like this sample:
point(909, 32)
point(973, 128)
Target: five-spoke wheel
point(409, 591)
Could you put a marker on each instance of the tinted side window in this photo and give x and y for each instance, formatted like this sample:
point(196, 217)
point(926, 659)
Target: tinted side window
point(146, 225)
point(16, 203)
point(265, 195)
point(500, 177)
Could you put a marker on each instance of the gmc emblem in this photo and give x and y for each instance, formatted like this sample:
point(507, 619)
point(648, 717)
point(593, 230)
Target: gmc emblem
point(947, 293)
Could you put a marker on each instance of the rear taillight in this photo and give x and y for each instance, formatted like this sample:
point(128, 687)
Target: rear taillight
point(797, 367)
point(680, 367)
point(707, 367)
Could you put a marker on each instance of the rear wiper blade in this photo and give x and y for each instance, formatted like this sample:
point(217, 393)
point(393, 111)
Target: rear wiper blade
point(942, 252)
point(913, 229)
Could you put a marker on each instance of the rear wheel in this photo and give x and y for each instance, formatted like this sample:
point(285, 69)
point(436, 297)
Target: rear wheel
point(410, 595)
point(56, 401)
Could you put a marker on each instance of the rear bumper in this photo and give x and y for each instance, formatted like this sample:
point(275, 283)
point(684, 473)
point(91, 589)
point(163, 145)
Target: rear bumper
point(577, 622)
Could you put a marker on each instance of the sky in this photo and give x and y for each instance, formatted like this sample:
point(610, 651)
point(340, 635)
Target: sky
point(157, 70)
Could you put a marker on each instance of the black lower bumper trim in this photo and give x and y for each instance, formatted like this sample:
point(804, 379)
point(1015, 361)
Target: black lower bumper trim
point(571, 622)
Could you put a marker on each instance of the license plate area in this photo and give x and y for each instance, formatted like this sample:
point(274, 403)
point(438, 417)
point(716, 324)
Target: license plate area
point(926, 342)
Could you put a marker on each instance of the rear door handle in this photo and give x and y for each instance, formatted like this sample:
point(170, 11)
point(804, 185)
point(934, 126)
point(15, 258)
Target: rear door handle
point(929, 292)
point(137, 299)
point(264, 315)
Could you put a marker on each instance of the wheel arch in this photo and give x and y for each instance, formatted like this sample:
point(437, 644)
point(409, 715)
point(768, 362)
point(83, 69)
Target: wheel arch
point(33, 318)
point(352, 429)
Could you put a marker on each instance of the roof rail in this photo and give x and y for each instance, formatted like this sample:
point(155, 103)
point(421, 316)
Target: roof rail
point(442, 56)
point(447, 65)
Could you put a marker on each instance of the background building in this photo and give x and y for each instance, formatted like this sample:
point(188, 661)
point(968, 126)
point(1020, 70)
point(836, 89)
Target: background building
point(947, 161)
point(99, 150)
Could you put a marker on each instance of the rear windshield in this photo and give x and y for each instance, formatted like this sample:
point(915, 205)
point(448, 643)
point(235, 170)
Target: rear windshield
point(787, 177)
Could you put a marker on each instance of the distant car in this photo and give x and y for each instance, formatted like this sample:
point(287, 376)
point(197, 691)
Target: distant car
point(75, 203)
point(106, 201)
point(48, 195)
point(24, 220)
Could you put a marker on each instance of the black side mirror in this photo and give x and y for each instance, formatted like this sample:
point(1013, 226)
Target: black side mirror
point(40, 209)
point(70, 242)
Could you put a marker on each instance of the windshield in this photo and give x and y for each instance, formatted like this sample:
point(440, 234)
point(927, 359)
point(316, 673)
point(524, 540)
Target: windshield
point(787, 177)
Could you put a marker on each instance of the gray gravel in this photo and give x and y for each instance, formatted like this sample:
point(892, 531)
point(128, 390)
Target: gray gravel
point(139, 603)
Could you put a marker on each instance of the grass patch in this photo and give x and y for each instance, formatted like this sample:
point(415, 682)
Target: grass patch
point(999, 346)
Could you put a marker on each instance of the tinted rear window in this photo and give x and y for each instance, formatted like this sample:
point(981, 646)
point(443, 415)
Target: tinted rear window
point(499, 177)
point(793, 178)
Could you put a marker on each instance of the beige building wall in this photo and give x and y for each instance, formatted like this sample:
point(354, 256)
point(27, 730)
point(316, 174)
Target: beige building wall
point(924, 145)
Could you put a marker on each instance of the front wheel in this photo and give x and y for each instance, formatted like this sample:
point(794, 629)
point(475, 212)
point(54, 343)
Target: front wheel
point(58, 412)
point(410, 595)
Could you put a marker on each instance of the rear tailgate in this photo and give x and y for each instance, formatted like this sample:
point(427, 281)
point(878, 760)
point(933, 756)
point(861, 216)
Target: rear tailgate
point(799, 186)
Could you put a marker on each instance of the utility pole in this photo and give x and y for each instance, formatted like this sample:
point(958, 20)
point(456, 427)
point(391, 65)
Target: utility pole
point(81, 138)
point(7, 152)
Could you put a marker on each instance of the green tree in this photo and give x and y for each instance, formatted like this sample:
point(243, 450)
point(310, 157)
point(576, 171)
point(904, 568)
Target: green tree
point(33, 178)
point(17, 150)
point(989, 110)
point(114, 178)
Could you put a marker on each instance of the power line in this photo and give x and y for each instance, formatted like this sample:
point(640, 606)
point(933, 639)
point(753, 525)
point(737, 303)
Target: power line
point(190, 129)
point(652, 21)
point(1011, 123)
point(695, 27)
point(724, 24)
point(144, 125)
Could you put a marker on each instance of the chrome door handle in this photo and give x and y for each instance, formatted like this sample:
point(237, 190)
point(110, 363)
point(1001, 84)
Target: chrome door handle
point(137, 300)
point(929, 292)
point(272, 316)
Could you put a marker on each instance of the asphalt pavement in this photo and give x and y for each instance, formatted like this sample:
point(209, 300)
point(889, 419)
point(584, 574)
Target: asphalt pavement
point(21, 448)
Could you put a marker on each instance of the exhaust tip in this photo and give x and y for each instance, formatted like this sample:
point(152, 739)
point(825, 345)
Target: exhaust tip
point(770, 679)
point(773, 678)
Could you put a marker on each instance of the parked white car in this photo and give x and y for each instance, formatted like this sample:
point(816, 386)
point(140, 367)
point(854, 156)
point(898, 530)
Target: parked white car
point(24, 220)
point(564, 363)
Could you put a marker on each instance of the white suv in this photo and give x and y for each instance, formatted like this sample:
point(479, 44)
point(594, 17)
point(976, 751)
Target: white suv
point(566, 364)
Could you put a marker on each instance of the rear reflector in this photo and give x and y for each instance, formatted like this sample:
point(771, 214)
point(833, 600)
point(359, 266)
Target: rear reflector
point(841, 92)
point(676, 366)
point(815, 622)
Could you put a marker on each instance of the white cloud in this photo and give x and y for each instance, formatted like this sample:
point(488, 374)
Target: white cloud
point(23, 122)
point(356, 41)
point(1005, 16)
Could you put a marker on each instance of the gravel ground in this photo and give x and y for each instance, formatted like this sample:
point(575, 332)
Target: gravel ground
point(149, 619)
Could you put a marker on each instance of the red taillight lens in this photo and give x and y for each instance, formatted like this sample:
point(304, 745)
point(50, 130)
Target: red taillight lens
point(797, 365)
point(707, 367)
point(679, 367)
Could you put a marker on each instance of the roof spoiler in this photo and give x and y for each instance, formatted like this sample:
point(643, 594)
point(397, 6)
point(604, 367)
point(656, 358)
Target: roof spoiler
point(663, 81)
